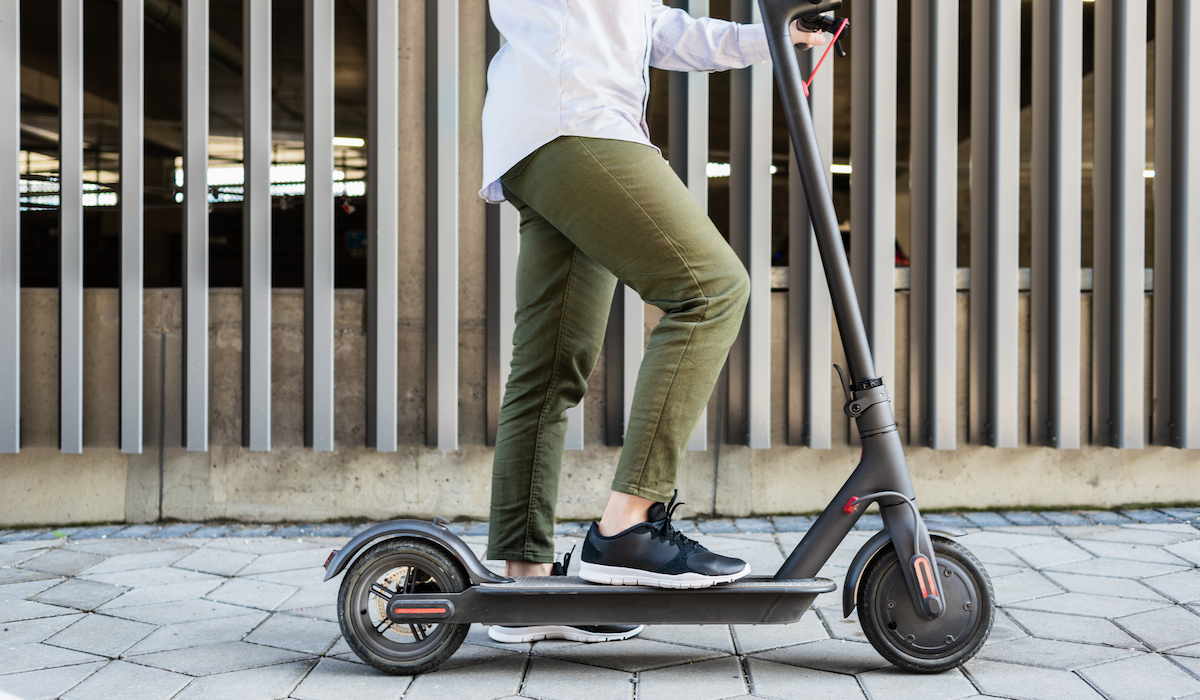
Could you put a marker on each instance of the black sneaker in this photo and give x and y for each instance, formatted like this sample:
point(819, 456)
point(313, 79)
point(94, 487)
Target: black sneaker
point(515, 634)
point(654, 553)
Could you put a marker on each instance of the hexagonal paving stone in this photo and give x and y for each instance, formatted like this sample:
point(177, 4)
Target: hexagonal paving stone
point(833, 655)
point(1009, 680)
point(1164, 628)
point(707, 680)
point(31, 657)
point(296, 633)
point(46, 684)
point(629, 655)
point(1183, 587)
point(199, 633)
point(478, 682)
point(336, 680)
point(1089, 605)
point(1102, 585)
point(1026, 585)
point(1052, 553)
point(222, 562)
point(893, 683)
point(218, 658)
point(102, 635)
point(79, 594)
point(1064, 656)
point(117, 679)
point(252, 594)
point(1142, 677)
point(1136, 552)
point(62, 562)
point(551, 679)
point(264, 683)
point(1073, 628)
point(755, 638)
point(715, 637)
point(788, 682)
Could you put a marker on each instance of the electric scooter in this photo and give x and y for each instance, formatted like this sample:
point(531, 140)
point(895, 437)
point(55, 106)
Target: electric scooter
point(924, 602)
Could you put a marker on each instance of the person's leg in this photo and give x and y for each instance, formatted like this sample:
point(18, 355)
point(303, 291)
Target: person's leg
point(563, 298)
point(621, 204)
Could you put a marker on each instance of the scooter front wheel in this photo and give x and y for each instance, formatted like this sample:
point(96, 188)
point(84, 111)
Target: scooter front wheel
point(404, 565)
point(903, 637)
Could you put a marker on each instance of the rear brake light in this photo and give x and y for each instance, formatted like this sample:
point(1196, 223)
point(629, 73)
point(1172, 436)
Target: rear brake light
point(329, 559)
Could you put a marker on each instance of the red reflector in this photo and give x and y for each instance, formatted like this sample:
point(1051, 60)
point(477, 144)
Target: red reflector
point(329, 559)
point(850, 504)
point(925, 576)
point(419, 611)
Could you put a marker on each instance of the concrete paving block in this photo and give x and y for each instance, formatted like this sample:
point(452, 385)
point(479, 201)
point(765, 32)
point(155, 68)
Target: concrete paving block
point(1008, 540)
point(1009, 680)
point(1024, 518)
point(1024, 585)
point(1142, 677)
point(140, 560)
point(197, 634)
point(869, 523)
point(790, 683)
point(29, 610)
point(315, 612)
point(889, 683)
point(252, 594)
point(33, 631)
point(221, 562)
point(293, 530)
point(169, 593)
point(1040, 556)
point(1105, 517)
point(218, 658)
point(31, 657)
point(551, 679)
point(951, 519)
point(252, 684)
point(1004, 629)
point(1183, 587)
point(79, 594)
point(296, 633)
point(1089, 605)
point(22, 535)
point(253, 531)
point(1046, 653)
point(16, 592)
point(715, 526)
point(175, 530)
point(11, 556)
point(331, 530)
point(1073, 628)
point(98, 532)
point(14, 574)
point(1119, 568)
point(473, 654)
point(845, 628)
point(59, 533)
point(62, 562)
point(1101, 585)
point(755, 638)
point(135, 531)
point(121, 680)
point(475, 529)
point(477, 634)
point(998, 555)
point(715, 637)
point(571, 529)
point(109, 547)
point(1178, 543)
point(792, 523)
point(753, 525)
point(832, 655)
point(341, 647)
point(157, 576)
point(986, 519)
point(1188, 551)
point(102, 635)
point(181, 611)
point(336, 680)
point(630, 655)
point(212, 531)
point(1065, 518)
point(477, 682)
point(1135, 552)
point(707, 680)
point(285, 561)
point(311, 597)
point(1147, 515)
point(1164, 628)
point(46, 684)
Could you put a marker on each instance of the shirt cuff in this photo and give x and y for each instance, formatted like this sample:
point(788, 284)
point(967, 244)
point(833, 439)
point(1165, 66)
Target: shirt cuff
point(752, 42)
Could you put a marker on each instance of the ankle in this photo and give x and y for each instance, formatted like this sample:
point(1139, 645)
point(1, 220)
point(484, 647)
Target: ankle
point(527, 568)
point(623, 512)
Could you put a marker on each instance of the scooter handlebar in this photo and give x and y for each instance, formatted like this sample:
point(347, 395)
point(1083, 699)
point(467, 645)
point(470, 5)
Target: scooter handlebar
point(778, 14)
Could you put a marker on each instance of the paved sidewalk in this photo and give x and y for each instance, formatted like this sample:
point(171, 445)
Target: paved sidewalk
point(1093, 605)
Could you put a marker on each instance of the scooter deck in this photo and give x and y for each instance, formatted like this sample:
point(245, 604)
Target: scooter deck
point(571, 600)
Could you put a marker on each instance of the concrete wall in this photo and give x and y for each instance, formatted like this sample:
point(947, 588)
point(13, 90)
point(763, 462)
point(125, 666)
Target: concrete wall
point(291, 482)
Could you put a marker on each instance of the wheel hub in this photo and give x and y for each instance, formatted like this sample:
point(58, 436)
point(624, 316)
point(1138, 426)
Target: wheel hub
point(930, 638)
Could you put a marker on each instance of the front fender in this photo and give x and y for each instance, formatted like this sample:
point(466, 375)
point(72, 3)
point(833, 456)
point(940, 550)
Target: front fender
point(435, 532)
point(872, 548)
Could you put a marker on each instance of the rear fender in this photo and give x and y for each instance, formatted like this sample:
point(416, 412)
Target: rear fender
point(435, 532)
point(872, 548)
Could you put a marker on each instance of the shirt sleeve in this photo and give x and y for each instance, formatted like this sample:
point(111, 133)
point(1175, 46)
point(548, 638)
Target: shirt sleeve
point(681, 42)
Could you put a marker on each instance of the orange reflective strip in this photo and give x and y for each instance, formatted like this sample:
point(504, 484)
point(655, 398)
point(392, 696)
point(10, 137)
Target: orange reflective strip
point(418, 611)
point(925, 573)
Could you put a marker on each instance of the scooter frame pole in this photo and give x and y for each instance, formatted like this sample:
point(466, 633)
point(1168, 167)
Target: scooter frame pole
point(883, 468)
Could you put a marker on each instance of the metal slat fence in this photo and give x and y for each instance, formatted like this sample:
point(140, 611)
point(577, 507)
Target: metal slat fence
point(934, 392)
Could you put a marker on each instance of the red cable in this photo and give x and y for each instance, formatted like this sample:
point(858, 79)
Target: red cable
point(836, 34)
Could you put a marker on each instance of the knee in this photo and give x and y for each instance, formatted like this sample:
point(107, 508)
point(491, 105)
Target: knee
point(732, 291)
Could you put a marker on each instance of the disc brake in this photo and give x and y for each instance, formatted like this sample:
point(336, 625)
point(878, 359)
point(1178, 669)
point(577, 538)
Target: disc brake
point(393, 583)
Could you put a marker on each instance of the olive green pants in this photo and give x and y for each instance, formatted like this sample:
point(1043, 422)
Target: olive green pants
point(594, 211)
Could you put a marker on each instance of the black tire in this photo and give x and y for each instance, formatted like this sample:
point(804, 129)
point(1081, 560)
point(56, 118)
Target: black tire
point(362, 613)
point(886, 613)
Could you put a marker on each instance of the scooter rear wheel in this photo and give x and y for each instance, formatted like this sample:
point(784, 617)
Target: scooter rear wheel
point(392, 566)
point(900, 635)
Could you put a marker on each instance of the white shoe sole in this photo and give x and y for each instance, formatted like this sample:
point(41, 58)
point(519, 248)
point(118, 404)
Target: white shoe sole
point(621, 576)
point(515, 635)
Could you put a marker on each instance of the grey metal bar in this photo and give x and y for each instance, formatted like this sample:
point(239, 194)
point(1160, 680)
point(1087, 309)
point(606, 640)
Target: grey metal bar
point(70, 226)
point(10, 227)
point(1119, 235)
point(933, 174)
point(750, 226)
point(1056, 193)
point(318, 225)
point(995, 194)
point(688, 148)
point(810, 353)
point(873, 180)
point(441, 214)
point(1176, 256)
point(256, 227)
point(195, 225)
point(383, 179)
point(132, 222)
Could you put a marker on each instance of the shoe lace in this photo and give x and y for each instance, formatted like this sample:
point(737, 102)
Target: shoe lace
point(665, 531)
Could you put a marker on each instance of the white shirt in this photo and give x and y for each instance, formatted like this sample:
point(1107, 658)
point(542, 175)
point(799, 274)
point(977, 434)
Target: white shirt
point(582, 68)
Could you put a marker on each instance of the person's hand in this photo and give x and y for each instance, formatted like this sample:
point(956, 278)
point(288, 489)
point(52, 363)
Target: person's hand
point(810, 39)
